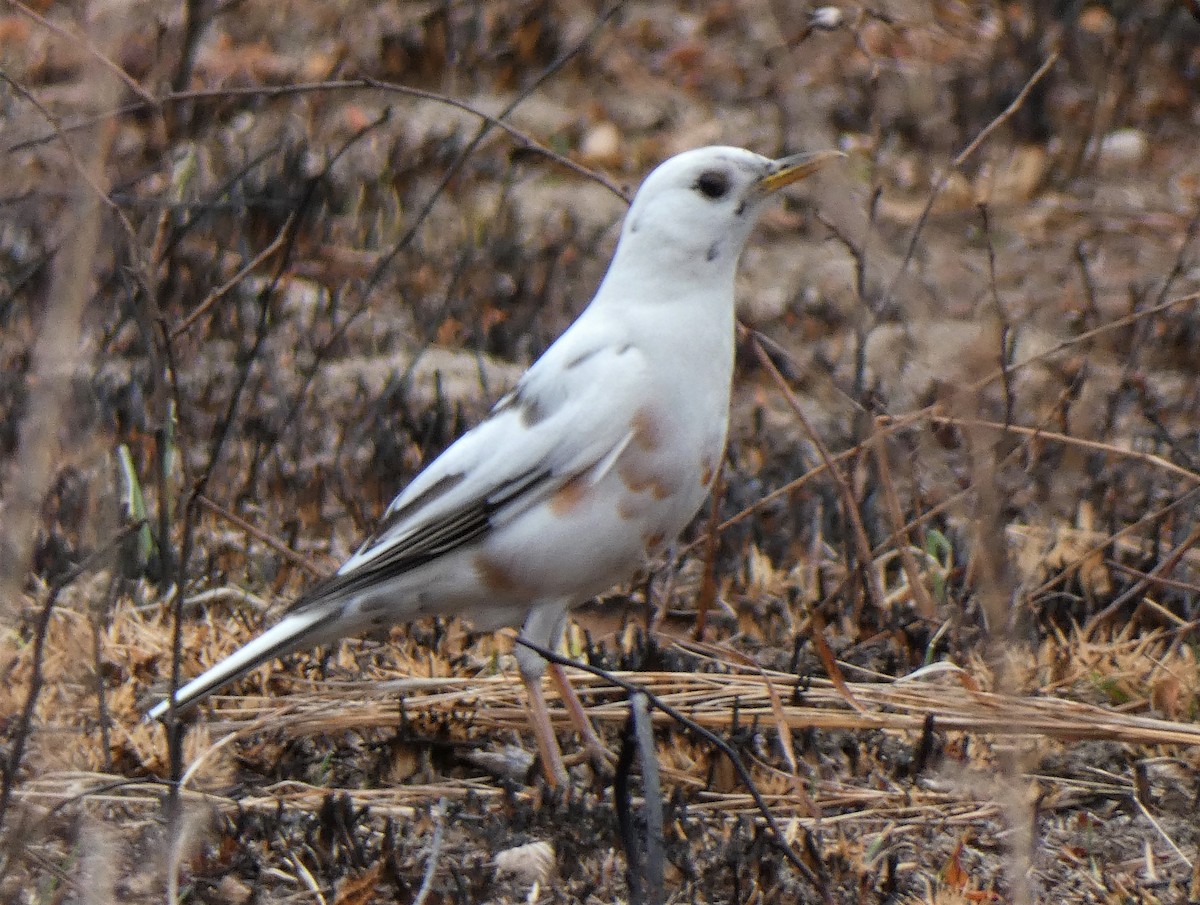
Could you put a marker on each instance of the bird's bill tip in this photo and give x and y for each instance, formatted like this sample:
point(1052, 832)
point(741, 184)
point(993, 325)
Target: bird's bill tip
point(791, 169)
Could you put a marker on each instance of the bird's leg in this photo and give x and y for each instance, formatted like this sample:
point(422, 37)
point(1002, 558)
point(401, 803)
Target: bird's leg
point(599, 754)
point(548, 750)
point(542, 627)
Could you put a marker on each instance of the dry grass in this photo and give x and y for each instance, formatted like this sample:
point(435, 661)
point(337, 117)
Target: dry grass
point(950, 589)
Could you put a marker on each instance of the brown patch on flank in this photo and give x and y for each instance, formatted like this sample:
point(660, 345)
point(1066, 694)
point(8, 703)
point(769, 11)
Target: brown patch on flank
point(493, 576)
point(627, 509)
point(645, 430)
point(707, 472)
point(569, 496)
point(653, 541)
point(636, 483)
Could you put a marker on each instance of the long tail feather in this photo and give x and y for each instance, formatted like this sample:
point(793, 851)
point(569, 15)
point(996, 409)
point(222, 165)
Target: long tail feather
point(298, 630)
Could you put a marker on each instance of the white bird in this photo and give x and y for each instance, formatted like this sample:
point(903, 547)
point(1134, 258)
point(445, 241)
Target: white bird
point(600, 456)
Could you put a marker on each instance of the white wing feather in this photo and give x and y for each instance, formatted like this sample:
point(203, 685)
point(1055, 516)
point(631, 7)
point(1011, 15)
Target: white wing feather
point(570, 411)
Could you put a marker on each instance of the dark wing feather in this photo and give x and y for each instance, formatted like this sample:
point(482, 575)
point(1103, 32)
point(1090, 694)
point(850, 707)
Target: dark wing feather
point(431, 540)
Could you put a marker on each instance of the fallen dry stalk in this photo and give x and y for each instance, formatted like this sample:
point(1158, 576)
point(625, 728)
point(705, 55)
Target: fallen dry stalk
point(409, 801)
point(497, 703)
point(898, 706)
point(1093, 445)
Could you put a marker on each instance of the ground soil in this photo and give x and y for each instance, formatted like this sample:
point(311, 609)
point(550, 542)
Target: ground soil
point(259, 262)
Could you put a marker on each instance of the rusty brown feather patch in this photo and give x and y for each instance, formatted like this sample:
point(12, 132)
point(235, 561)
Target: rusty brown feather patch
point(568, 497)
point(646, 431)
point(495, 577)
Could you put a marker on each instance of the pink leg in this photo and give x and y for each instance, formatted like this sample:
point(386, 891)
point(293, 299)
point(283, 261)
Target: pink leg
point(543, 627)
point(539, 716)
point(579, 717)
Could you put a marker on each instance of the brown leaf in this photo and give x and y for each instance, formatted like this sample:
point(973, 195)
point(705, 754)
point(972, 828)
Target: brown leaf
point(359, 890)
point(954, 874)
point(1166, 696)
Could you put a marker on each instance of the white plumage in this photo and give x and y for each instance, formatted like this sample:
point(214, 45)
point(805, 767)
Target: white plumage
point(602, 453)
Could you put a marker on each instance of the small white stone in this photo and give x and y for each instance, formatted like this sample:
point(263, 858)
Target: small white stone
point(1123, 146)
point(531, 863)
point(827, 18)
point(512, 762)
point(601, 146)
point(233, 891)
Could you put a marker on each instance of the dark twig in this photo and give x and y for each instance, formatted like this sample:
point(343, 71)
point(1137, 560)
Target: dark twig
point(1005, 350)
point(215, 295)
point(93, 51)
point(958, 161)
point(739, 766)
point(222, 433)
point(262, 537)
point(858, 533)
point(20, 733)
point(643, 854)
point(456, 165)
point(707, 597)
point(1168, 563)
point(525, 141)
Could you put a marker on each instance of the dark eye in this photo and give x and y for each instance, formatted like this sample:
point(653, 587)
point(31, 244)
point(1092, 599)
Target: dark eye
point(713, 184)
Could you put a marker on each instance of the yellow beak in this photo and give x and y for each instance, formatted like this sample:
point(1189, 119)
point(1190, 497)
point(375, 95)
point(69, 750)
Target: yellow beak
point(791, 169)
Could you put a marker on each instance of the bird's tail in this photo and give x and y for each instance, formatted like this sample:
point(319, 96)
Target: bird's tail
point(299, 630)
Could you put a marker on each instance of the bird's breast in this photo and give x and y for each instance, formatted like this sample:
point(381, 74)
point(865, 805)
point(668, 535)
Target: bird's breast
point(664, 474)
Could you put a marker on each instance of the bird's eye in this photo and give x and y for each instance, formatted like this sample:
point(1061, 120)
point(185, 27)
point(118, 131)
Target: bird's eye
point(712, 184)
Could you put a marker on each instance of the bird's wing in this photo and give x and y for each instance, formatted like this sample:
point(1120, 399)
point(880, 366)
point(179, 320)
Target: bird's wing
point(569, 413)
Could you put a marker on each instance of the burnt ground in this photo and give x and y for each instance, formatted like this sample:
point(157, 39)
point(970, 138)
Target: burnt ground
point(259, 262)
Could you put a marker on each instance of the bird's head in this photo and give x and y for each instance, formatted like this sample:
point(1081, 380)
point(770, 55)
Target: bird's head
point(700, 206)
